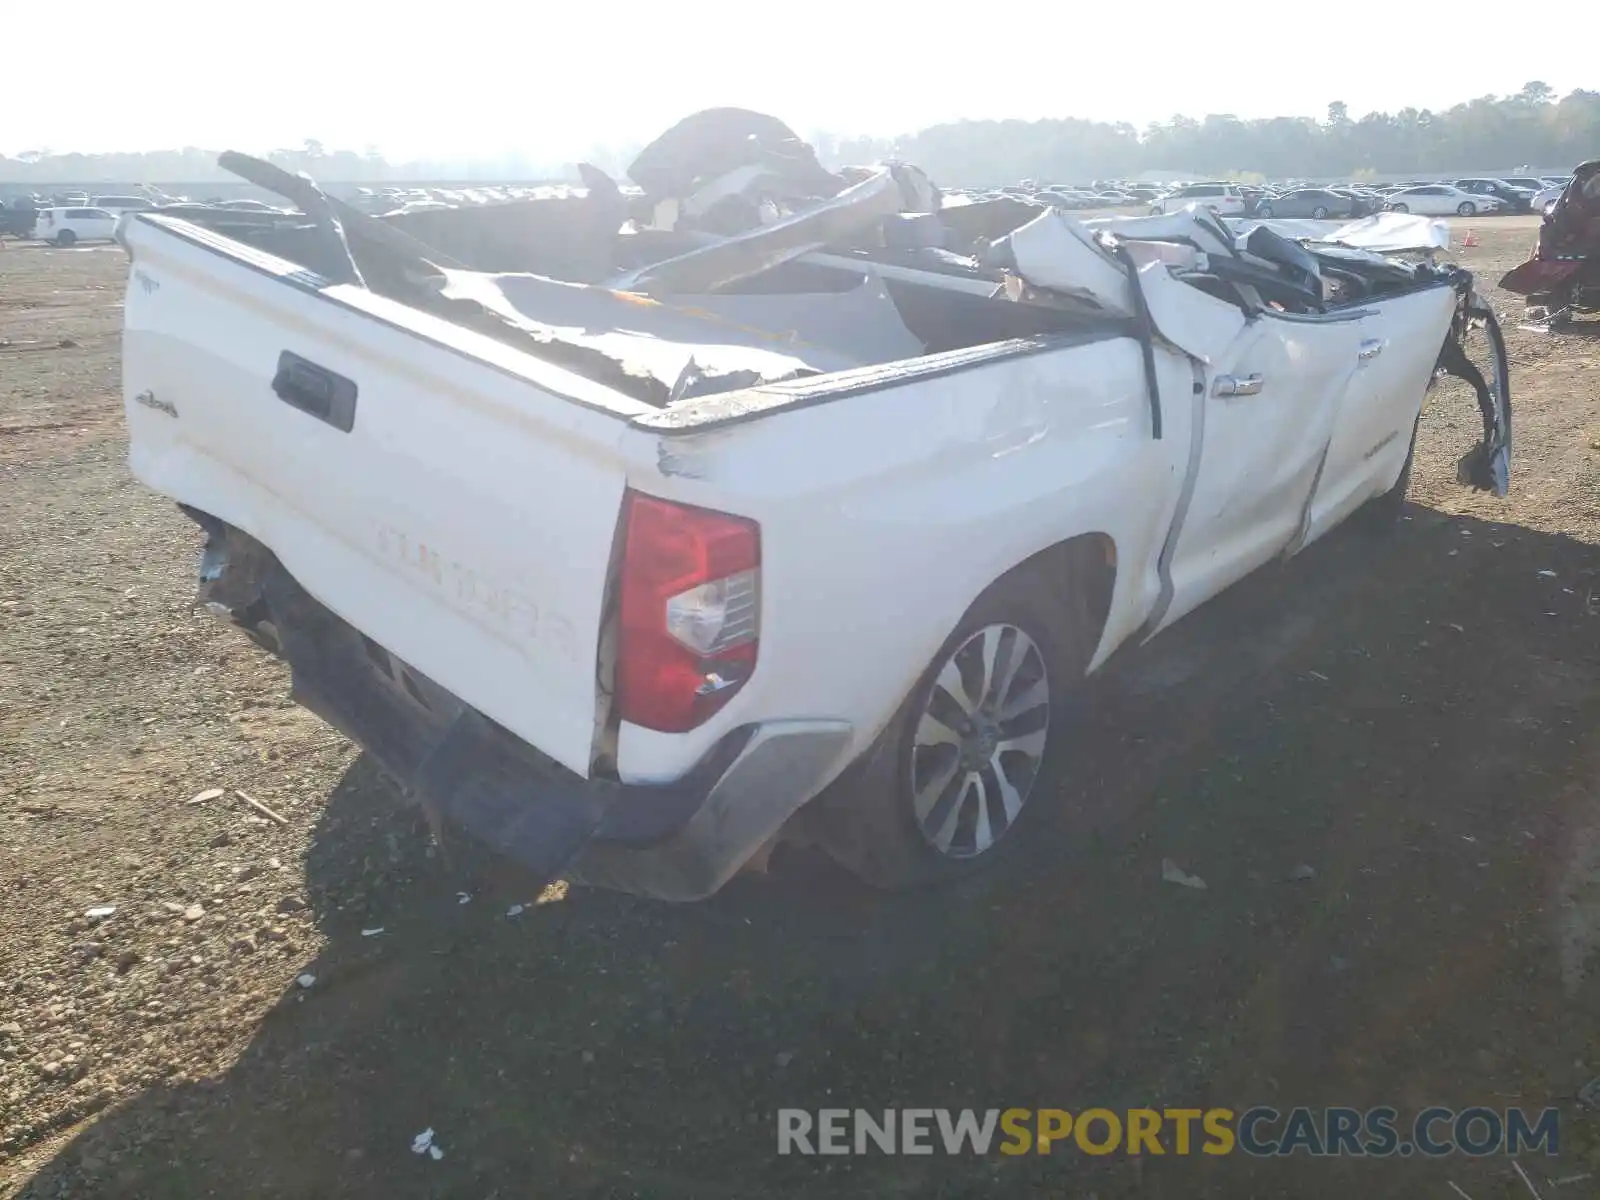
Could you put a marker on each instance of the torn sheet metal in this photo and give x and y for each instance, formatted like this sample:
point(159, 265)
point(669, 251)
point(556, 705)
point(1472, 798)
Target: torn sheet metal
point(1382, 233)
point(1200, 325)
point(703, 344)
point(1058, 254)
point(1194, 226)
point(707, 268)
point(862, 325)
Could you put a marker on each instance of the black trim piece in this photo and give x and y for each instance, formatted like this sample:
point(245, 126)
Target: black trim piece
point(460, 764)
point(1487, 466)
point(1145, 327)
point(645, 814)
point(475, 779)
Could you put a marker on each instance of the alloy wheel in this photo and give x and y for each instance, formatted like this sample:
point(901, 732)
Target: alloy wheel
point(979, 742)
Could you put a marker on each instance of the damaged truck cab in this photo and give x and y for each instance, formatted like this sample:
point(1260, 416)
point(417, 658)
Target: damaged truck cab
point(778, 503)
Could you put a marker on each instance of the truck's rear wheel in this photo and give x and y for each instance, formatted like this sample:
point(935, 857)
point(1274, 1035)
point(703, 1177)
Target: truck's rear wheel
point(972, 753)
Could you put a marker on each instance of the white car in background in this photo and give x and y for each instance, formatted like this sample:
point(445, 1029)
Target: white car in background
point(1441, 200)
point(1222, 198)
point(1544, 199)
point(69, 226)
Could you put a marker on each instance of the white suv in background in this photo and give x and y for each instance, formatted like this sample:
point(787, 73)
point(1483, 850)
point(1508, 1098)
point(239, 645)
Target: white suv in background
point(68, 226)
point(1223, 198)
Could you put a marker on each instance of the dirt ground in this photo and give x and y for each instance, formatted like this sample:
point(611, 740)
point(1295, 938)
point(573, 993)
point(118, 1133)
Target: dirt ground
point(1383, 761)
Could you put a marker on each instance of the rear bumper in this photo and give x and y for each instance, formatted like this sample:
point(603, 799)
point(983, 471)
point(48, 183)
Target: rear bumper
point(675, 841)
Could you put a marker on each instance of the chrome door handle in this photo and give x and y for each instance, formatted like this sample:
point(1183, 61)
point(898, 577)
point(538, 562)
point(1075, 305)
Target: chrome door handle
point(1237, 385)
point(1371, 348)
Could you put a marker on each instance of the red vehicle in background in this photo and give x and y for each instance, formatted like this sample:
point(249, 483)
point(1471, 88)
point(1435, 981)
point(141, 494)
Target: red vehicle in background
point(1562, 279)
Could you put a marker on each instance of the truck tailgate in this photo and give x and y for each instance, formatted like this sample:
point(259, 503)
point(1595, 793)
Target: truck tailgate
point(451, 497)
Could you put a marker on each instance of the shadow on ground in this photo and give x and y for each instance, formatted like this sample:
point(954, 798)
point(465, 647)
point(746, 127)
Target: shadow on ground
point(1379, 759)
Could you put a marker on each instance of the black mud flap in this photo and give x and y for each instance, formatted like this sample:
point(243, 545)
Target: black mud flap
point(465, 781)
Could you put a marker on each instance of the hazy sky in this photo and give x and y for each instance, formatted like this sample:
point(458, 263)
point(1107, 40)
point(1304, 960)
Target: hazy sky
point(478, 77)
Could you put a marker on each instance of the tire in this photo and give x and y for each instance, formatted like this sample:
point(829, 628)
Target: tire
point(66, 238)
point(1399, 208)
point(1264, 211)
point(1155, 210)
point(872, 822)
point(1319, 213)
point(1466, 209)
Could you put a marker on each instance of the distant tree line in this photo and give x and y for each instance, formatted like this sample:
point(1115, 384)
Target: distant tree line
point(1492, 132)
point(1489, 133)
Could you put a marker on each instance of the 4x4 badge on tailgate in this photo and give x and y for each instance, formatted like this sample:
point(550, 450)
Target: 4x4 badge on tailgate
point(148, 399)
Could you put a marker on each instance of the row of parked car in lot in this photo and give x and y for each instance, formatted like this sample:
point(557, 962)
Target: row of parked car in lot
point(1464, 197)
point(67, 219)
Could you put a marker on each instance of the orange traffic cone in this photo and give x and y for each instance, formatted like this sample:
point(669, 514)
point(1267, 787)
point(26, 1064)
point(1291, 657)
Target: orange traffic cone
point(1470, 240)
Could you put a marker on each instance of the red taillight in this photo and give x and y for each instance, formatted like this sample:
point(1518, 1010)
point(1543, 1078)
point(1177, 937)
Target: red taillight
point(691, 612)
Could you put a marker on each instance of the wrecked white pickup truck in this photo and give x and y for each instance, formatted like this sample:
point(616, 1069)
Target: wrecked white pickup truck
point(634, 534)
